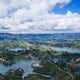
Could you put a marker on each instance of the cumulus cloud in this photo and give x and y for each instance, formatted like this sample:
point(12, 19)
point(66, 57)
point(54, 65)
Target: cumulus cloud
point(32, 16)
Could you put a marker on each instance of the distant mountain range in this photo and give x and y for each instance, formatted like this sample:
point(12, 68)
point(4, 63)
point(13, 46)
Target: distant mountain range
point(31, 36)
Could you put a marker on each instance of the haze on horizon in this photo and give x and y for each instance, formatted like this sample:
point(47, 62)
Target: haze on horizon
point(39, 16)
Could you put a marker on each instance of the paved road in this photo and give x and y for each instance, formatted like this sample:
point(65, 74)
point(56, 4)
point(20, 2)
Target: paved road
point(70, 75)
point(66, 72)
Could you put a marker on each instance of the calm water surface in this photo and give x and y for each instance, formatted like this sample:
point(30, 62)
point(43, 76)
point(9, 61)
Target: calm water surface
point(63, 49)
point(24, 64)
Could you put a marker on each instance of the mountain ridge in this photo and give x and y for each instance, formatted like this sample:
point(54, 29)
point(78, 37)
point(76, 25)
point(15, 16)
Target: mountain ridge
point(55, 35)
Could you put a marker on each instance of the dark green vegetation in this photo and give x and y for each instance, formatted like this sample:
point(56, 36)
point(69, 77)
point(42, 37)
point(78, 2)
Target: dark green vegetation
point(36, 77)
point(12, 75)
point(54, 65)
point(52, 70)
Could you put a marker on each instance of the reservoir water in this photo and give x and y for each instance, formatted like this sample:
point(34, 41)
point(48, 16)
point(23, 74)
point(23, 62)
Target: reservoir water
point(63, 49)
point(24, 64)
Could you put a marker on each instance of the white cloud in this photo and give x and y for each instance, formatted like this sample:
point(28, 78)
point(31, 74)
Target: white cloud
point(32, 16)
point(3, 8)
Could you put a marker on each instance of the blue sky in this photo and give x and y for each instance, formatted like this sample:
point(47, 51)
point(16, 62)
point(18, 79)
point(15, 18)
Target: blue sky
point(39, 16)
point(73, 6)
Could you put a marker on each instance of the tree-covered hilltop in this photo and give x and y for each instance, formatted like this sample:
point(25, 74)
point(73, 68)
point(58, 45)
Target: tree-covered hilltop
point(15, 74)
